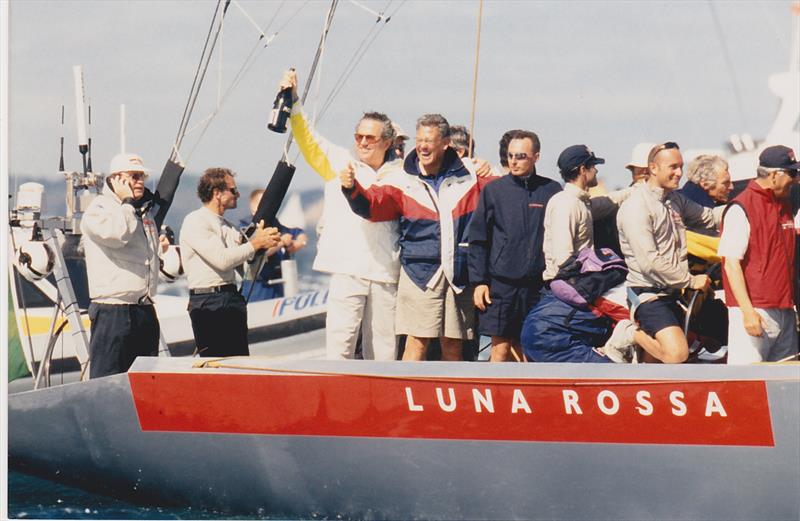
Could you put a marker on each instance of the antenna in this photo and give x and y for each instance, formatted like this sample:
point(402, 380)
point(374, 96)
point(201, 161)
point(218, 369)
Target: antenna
point(89, 160)
point(80, 115)
point(123, 128)
point(61, 155)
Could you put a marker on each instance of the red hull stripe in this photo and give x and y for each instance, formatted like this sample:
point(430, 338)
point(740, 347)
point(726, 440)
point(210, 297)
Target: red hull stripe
point(589, 411)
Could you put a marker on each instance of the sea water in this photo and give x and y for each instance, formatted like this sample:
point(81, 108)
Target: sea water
point(30, 497)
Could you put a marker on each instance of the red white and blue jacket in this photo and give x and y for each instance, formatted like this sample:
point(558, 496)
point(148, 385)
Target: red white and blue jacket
point(429, 243)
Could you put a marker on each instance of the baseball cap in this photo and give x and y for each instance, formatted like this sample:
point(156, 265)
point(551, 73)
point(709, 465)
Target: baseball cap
point(778, 156)
point(398, 131)
point(127, 163)
point(639, 155)
point(577, 155)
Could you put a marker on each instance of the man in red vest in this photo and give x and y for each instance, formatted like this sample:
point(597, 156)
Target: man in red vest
point(758, 250)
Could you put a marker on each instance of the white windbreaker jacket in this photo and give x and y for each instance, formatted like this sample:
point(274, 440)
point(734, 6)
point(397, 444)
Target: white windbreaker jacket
point(122, 252)
point(348, 244)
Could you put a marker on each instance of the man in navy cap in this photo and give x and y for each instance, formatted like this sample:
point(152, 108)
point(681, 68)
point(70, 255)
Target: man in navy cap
point(758, 251)
point(568, 221)
point(505, 245)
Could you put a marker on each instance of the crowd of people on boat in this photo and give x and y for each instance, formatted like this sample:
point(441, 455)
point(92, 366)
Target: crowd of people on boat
point(437, 247)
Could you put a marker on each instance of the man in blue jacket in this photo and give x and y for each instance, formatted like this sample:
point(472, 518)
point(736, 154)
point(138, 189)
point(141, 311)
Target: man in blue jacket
point(505, 246)
point(433, 198)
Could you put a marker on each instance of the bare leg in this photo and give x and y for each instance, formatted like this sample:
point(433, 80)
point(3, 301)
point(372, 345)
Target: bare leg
point(416, 348)
point(451, 349)
point(501, 349)
point(669, 345)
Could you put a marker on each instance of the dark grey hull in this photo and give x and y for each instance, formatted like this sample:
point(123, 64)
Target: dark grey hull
point(92, 433)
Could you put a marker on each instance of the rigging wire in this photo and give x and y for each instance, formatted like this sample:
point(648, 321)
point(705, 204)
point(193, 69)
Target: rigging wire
point(475, 83)
point(325, 29)
point(358, 55)
point(198, 79)
point(728, 64)
point(246, 66)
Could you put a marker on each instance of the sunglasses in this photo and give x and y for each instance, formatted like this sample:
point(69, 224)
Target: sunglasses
point(233, 190)
point(368, 138)
point(136, 176)
point(519, 156)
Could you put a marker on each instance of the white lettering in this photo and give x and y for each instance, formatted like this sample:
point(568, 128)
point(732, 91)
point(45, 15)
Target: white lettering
point(714, 405)
point(678, 407)
point(571, 402)
point(411, 405)
point(482, 400)
point(446, 407)
point(601, 402)
point(643, 399)
point(519, 402)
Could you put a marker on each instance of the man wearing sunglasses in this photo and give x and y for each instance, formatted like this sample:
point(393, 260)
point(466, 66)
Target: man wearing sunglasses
point(505, 246)
point(362, 257)
point(758, 251)
point(652, 237)
point(122, 248)
point(433, 199)
point(212, 250)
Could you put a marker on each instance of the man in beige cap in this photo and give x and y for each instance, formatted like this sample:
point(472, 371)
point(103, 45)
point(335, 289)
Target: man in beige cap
point(638, 163)
point(122, 247)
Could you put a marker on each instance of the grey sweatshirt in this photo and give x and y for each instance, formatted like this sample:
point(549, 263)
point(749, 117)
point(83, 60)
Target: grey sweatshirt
point(652, 236)
point(211, 249)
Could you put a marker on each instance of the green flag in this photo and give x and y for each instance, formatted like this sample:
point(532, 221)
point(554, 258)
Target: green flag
point(17, 368)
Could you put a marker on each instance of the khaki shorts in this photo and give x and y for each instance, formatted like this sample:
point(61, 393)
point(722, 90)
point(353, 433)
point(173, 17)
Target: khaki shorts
point(433, 313)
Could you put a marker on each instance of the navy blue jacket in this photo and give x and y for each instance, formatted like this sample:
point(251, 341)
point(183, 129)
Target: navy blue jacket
point(507, 230)
point(695, 192)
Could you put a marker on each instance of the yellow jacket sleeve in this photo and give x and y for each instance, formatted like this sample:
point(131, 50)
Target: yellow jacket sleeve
point(321, 155)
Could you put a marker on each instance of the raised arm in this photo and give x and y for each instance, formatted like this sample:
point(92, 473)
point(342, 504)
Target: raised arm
point(382, 202)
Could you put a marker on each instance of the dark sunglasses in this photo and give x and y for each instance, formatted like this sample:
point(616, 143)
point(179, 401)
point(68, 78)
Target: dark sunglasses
point(368, 138)
point(519, 156)
point(233, 190)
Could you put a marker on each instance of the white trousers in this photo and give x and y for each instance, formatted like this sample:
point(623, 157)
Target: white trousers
point(355, 303)
point(778, 340)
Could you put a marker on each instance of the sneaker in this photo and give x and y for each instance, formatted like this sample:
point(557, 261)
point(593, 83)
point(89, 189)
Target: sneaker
point(620, 346)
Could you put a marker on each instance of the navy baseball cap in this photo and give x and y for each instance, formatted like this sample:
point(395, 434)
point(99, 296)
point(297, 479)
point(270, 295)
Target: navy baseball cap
point(779, 157)
point(577, 155)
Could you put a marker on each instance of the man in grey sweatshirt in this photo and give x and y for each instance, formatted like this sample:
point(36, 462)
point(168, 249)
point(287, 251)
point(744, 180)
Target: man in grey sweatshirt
point(652, 237)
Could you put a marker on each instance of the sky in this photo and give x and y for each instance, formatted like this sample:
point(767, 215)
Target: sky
point(605, 74)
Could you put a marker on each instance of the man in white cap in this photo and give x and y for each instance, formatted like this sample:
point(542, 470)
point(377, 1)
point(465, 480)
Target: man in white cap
point(400, 139)
point(638, 163)
point(122, 246)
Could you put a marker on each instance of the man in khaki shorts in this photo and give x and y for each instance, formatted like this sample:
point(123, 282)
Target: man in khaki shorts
point(434, 198)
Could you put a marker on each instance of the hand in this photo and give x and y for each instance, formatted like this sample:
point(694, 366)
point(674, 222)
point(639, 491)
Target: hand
point(753, 322)
point(482, 167)
point(481, 297)
point(164, 242)
point(289, 80)
point(286, 240)
point(121, 187)
point(264, 238)
point(348, 176)
point(701, 282)
point(298, 244)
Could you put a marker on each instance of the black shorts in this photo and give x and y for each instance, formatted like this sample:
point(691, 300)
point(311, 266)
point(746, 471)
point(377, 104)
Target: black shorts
point(660, 313)
point(509, 307)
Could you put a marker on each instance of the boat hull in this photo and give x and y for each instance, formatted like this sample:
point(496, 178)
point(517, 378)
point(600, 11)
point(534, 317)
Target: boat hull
point(321, 438)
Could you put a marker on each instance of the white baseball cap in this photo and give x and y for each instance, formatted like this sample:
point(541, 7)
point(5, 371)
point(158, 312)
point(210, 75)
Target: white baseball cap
point(127, 163)
point(399, 132)
point(639, 155)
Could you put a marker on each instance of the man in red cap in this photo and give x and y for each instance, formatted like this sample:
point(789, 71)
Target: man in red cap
point(758, 251)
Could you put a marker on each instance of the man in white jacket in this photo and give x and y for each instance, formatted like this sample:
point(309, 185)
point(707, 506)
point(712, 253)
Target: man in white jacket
point(121, 243)
point(212, 250)
point(362, 257)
